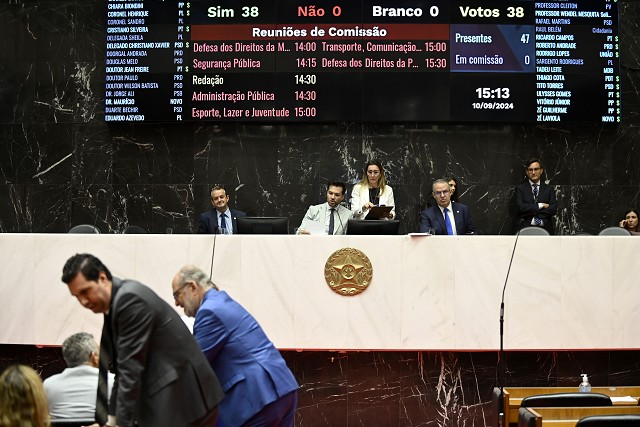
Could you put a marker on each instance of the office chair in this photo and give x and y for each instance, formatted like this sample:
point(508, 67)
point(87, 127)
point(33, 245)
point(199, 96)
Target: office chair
point(614, 231)
point(84, 229)
point(533, 231)
point(566, 399)
point(134, 229)
point(626, 420)
point(526, 418)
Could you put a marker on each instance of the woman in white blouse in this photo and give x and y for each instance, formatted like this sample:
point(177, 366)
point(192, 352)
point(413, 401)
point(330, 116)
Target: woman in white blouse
point(372, 190)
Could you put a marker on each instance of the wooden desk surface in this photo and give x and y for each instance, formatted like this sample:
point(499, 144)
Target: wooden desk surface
point(513, 396)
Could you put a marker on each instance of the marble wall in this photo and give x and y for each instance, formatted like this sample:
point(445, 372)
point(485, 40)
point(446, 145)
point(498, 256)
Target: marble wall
point(61, 165)
point(410, 388)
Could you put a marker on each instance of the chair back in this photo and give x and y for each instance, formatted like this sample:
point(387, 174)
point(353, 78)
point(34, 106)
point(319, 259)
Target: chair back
point(526, 418)
point(134, 229)
point(609, 421)
point(533, 231)
point(614, 231)
point(566, 399)
point(84, 229)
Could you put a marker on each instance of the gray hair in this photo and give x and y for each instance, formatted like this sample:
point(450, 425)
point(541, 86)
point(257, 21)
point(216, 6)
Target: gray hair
point(191, 273)
point(77, 349)
point(439, 181)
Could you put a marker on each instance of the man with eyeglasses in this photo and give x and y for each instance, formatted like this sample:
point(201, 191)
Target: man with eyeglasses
point(535, 200)
point(161, 377)
point(446, 217)
point(260, 388)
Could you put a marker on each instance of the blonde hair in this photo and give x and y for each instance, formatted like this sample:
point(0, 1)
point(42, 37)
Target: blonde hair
point(23, 402)
point(382, 182)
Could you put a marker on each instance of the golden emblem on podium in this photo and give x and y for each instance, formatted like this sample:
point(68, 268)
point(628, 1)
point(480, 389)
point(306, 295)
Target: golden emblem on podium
point(348, 271)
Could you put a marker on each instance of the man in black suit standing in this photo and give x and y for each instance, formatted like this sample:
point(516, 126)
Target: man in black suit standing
point(535, 200)
point(446, 217)
point(162, 378)
point(221, 219)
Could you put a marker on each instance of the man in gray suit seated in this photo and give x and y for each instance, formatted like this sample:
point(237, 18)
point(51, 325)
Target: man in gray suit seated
point(72, 393)
point(330, 217)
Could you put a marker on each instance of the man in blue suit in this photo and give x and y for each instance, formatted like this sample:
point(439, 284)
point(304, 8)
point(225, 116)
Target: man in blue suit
point(446, 217)
point(260, 388)
point(221, 219)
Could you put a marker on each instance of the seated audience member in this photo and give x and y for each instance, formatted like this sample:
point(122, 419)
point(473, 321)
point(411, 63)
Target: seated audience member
point(331, 216)
point(453, 186)
point(630, 222)
point(72, 393)
point(447, 217)
point(221, 219)
point(535, 200)
point(372, 190)
point(259, 386)
point(22, 399)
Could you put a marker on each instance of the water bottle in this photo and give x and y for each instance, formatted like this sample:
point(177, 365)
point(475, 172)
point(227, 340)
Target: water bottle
point(584, 387)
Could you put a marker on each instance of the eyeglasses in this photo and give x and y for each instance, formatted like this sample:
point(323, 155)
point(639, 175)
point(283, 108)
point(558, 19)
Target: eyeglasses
point(533, 169)
point(441, 193)
point(176, 294)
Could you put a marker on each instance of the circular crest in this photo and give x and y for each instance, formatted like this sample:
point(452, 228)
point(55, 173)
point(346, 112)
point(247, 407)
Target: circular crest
point(348, 271)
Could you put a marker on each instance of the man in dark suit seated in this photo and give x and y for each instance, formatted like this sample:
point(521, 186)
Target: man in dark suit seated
point(221, 219)
point(446, 217)
point(535, 200)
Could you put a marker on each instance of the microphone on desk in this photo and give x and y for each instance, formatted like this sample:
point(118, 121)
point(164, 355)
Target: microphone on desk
point(503, 366)
point(213, 251)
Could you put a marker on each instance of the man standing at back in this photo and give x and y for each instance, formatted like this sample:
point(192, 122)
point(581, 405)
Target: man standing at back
point(71, 394)
point(446, 217)
point(221, 219)
point(162, 379)
point(260, 388)
point(535, 200)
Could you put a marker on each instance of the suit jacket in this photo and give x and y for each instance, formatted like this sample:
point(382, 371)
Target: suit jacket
point(318, 213)
point(251, 370)
point(360, 196)
point(527, 206)
point(71, 394)
point(433, 218)
point(162, 378)
point(208, 222)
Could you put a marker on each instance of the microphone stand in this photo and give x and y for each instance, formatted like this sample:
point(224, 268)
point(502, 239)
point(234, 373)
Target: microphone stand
point(503, 366)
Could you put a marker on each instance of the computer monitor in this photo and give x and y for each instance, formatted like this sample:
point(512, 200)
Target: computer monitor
point(380, 226)
point(262, 225)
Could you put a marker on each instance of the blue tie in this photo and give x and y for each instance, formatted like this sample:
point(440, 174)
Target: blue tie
point(447, 222)
point(223, 223)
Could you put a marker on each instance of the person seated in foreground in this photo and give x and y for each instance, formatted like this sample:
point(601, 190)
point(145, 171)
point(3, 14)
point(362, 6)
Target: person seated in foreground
point(330, 217)
point(71, 394)
point(22, 399)
point(447, 217)
point(221, 219)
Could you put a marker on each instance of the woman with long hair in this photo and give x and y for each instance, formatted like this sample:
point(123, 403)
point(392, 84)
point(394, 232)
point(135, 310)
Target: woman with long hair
point(23, 402)
point(372, 190)
point(630, 221)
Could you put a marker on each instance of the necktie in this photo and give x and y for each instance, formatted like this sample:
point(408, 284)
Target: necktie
point(223, 223)
point(447, 222)
point(536, 220)
point(332, 219)
point(102, 399)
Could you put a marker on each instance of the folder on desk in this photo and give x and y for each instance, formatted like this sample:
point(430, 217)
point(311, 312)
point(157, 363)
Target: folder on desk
point(378, 212)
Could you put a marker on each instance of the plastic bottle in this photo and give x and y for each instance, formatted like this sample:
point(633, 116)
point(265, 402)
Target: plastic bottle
point(585, 387)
